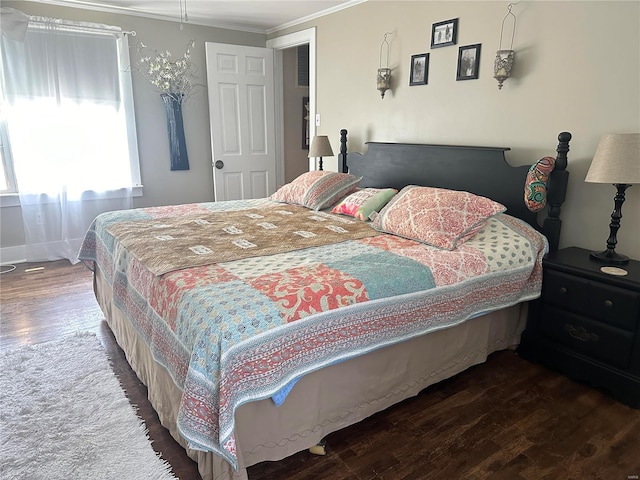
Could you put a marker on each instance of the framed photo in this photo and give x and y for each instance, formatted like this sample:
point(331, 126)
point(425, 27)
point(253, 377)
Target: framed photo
point(468, 62)
point(419, 69)
point(444, 33)
point(305, 123)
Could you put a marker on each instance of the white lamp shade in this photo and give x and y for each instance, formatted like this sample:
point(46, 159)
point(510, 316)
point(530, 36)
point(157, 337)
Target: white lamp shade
point(320, 147)
point(617, 159)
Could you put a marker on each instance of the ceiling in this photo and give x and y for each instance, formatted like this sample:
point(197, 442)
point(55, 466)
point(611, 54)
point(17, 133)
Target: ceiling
point(259, 16)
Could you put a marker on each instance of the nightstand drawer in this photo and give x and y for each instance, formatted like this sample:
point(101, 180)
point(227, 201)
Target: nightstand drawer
point(597, 300)
point(614, 305)
point(566, 291)
point(597, 340)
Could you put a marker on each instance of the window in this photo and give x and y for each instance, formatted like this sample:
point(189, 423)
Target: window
point(69, 147)
point(67, 110)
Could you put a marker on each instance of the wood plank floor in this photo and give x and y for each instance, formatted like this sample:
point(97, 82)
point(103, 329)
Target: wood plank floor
point(506, 419)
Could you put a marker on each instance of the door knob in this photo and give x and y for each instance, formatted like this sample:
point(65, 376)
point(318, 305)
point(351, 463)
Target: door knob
point(219, 164)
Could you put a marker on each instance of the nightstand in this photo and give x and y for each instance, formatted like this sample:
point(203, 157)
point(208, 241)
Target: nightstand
point(586, 323)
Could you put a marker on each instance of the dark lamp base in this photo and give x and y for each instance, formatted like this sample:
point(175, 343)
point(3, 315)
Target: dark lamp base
point(610, 257)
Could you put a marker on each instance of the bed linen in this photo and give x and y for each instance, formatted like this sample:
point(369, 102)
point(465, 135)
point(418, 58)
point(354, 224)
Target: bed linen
point(239, 331)
point(367, 384)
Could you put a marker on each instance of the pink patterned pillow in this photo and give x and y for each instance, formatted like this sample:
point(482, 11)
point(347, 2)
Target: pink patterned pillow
point(317, 189)
point(436, 216)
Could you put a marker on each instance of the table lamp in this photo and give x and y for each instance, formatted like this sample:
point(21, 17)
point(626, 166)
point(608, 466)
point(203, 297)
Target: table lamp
point(320, 147)
point(616, 161)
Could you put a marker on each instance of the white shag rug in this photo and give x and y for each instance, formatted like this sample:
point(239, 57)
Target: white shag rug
point(63, 415)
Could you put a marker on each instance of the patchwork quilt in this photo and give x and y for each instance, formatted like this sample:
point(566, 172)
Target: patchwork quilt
point(242, 329)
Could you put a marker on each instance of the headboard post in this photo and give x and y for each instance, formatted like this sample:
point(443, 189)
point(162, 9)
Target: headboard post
point(342, 157)
point(556, 192)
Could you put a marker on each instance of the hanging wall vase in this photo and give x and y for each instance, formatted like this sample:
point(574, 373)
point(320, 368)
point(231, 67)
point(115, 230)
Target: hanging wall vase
point(175, 128)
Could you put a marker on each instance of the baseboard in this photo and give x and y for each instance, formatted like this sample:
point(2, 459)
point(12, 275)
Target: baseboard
point(13, 255)
point(40, 252)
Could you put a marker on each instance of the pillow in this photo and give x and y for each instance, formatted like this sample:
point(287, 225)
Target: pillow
point(317, 189)
point(535, 185)
point(436, 216)
point(362, 203)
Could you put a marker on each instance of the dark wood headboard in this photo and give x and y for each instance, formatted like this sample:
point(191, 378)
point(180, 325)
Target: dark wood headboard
point(479, 170)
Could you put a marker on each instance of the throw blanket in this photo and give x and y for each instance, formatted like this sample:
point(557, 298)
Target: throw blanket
point(174, 243)
point(239, 331)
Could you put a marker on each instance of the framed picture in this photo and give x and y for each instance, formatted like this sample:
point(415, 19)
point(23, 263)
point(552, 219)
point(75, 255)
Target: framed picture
point(305, 123)
point(444, 33)
point(468, 62)
point(419, 69)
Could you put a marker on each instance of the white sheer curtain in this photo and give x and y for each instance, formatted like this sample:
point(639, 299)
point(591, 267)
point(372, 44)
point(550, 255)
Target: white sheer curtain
point(67, 127)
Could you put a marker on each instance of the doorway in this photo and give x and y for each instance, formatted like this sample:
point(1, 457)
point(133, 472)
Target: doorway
point(279, 44)
point(296, 117)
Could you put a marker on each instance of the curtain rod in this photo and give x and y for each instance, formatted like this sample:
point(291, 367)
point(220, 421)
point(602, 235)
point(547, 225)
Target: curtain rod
point(80, 25)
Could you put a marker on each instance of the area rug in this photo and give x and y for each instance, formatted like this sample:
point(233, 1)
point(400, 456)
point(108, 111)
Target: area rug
point(63, 415)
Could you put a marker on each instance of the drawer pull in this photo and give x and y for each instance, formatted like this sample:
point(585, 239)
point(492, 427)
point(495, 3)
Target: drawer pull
point(580, 333)
point(563, 290)
point(608, 303)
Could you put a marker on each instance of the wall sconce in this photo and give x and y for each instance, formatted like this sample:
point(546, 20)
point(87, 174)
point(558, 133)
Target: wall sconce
point(320, 147)
point(504, 58)
point(383, 79)
point(616, 161)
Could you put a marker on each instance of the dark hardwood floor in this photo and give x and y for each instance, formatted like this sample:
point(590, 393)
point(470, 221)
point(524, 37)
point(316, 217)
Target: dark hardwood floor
point(506, 419)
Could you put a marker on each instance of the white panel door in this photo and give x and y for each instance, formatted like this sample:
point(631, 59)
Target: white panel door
point(241, 110)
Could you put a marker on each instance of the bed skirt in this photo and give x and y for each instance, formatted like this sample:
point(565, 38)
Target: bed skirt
point(326, 400)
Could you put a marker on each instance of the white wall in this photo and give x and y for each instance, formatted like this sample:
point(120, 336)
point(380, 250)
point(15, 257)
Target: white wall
point(577, 70)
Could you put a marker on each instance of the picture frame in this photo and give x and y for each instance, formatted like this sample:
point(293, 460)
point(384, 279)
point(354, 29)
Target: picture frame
point(444, 33)
point(419, 69)
point(468, 62)
point(305, 123)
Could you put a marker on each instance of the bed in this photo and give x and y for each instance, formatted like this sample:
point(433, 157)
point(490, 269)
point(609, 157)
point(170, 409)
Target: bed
point(258, 354)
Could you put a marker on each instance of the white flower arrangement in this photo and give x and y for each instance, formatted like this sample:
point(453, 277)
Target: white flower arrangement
point(173, 77)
